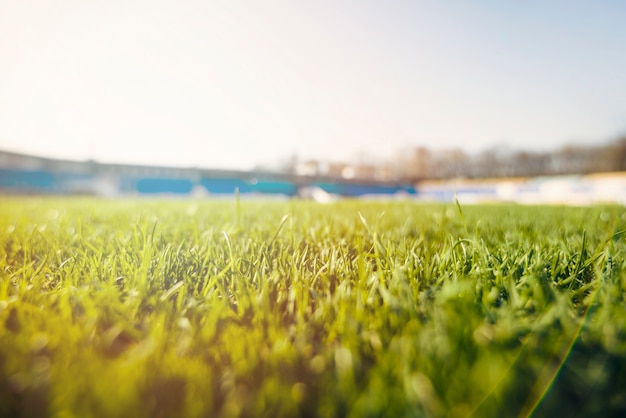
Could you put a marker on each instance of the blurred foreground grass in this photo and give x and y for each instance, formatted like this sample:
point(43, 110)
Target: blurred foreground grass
point(197, 308)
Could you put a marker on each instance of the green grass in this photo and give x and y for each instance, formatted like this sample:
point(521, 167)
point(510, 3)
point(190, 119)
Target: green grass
point(151, 308)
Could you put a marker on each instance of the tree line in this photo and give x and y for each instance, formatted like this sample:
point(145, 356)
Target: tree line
point(424, 163)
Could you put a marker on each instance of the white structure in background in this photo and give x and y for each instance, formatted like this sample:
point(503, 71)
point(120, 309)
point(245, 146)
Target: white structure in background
point(317, 194)
point(574, 190)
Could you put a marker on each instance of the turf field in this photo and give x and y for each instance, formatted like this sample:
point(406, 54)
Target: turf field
point(159, 308)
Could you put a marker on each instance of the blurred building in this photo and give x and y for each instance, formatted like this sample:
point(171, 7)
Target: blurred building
point(27, 174)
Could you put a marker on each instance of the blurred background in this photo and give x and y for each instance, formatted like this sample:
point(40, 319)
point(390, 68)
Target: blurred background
point(508, 100)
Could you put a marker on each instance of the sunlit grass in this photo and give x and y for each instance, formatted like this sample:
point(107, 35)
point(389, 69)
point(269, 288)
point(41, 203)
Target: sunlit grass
point(198, 308)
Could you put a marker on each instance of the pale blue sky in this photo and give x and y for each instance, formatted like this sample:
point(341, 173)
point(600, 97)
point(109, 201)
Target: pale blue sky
point(233, 84)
